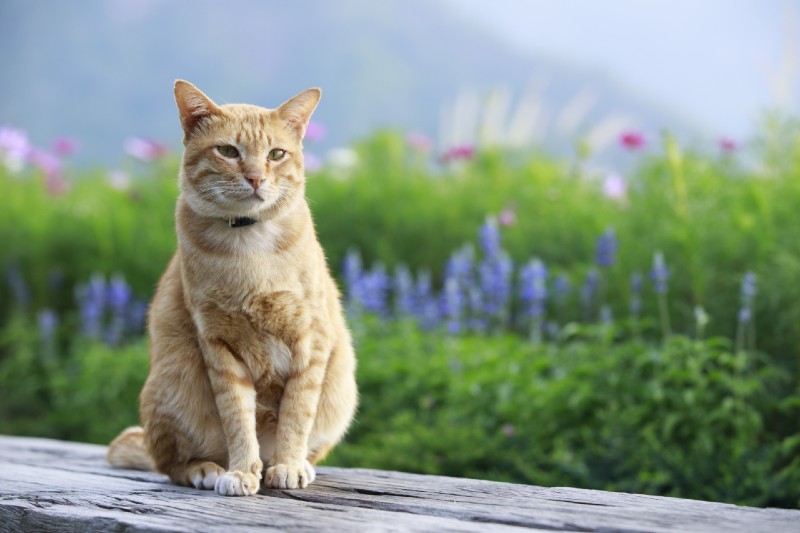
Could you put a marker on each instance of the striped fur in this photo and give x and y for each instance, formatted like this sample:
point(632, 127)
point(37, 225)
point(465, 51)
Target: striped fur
point(252, 367)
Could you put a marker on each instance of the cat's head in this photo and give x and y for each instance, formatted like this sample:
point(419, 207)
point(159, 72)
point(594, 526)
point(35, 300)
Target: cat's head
point(242, 160)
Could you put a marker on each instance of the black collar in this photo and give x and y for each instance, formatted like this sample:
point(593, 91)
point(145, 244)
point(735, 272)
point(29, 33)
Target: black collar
point(240, 222)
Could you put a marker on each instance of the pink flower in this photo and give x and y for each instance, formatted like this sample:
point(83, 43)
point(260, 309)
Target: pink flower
point(507, 217)
point(14, 147)
point(53, 169)
point(145, 150)
point(419, 142)
point(632, 140)
point(458, 152)
point(728, 145)
point(66, 146)
point(615, 187)
point(315, 131)
point(508, 430)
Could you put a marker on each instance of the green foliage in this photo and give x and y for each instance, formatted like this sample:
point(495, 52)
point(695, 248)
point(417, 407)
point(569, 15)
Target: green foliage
point(683, 419)
point(88, 392)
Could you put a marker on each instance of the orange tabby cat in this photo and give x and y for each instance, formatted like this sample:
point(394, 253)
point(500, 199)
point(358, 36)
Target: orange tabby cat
point(252, 366)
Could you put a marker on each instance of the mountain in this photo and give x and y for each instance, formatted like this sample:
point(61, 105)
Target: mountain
point(102, 71)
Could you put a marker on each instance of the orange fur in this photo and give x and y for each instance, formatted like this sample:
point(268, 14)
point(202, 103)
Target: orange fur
point(252, 371)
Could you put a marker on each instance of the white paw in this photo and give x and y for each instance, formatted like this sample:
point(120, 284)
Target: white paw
point(206, 475)
point(310, 472)
point(237, 484)
point(283, 476)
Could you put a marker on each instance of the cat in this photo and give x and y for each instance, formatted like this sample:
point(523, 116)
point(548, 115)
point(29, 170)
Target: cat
point(252, 369)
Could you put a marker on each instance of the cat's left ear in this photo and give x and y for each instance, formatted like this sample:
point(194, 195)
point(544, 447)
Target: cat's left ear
point(297, 110)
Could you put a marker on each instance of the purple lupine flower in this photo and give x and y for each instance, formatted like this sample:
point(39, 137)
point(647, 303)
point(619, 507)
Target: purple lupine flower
point(137, 316)
point(606, 248)
point(425, 303)
point(376, 290)
point(561, 289)
point(452, 305)
point(14, 148)
point(459, 275)
point(494, 279)
point(118, 294)
point(533, 288)
point(589, 289)
point(489, 237)
point(92, 303)
point(403, 288)
point(636, 294)
point(19, 288)
point(48, 323)
point(118, 298)
point(659, 274)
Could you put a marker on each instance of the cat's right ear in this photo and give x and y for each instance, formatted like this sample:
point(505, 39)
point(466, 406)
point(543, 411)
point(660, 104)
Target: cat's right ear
point(194, 107)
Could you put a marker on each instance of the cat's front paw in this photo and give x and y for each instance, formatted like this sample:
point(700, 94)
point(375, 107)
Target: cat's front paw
point(283, 476)
point(237, 484)
point(205, 475)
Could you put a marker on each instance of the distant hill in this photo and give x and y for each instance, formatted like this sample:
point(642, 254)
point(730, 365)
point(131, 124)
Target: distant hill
point(102, 71)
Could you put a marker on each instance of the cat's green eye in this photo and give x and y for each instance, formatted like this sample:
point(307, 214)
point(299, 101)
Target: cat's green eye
point(228, 151)
point(276, 154)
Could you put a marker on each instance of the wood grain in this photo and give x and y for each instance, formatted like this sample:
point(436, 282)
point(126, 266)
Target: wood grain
point(56, 486)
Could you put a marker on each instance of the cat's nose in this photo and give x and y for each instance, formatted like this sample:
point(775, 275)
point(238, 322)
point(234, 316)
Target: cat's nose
point(254, 180)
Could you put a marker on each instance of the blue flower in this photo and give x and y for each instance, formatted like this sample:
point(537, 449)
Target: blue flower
point(92, 304)
point(403, 285)
point(561, 289)
point(589, 289)
point(533, 288)
point(48, 323)
point(607, 248)
point(489, 237)
point(659, 274)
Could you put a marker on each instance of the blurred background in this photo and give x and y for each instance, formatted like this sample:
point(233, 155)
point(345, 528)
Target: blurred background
point(566, 233)
point(545, 73)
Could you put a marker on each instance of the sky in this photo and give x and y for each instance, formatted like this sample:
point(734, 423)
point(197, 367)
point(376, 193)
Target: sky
point(719, 63)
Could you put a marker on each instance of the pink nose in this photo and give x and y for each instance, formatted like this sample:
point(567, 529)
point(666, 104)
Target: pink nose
point(254, 180)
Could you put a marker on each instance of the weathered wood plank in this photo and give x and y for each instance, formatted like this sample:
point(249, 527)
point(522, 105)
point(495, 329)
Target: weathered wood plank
point(49, 485)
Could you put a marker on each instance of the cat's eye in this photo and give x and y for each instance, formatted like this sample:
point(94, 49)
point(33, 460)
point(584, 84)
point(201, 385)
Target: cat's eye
point(276, 154)
point(228, 151)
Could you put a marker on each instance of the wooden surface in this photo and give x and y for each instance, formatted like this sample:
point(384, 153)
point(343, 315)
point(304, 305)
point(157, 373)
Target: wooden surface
point(50, 485)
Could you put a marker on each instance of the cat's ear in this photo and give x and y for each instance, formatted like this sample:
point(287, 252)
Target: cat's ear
point(193, 106)
point(297, 110)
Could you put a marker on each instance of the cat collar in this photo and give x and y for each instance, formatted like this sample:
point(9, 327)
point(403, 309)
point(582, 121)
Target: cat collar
point(239, 222)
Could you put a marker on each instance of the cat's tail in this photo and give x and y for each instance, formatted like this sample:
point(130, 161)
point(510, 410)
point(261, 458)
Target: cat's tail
point(129, 451)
